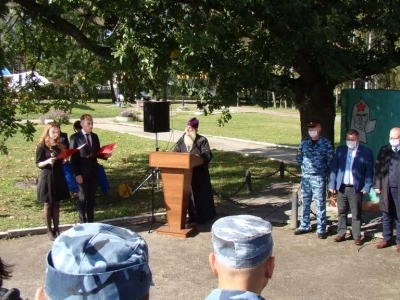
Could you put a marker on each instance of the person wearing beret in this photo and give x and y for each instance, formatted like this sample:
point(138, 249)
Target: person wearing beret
point(242, 257)
point(352, 175)
point(201, 206)
point(314, 156)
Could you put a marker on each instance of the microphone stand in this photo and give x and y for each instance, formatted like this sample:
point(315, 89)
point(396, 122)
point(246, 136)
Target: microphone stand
point(154, 176)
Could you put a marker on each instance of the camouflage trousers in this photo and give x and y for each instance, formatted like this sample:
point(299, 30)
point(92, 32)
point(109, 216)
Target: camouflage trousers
point(313, 186)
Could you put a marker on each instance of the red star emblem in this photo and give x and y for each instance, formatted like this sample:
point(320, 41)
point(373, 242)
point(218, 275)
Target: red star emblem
point(361, 106)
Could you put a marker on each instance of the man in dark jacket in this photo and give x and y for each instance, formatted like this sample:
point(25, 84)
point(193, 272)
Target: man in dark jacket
point(387, 181)
point(84, 167)
point(201, 203)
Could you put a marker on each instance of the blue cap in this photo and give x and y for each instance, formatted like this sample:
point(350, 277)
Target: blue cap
point(98, 261)
point(241, 241)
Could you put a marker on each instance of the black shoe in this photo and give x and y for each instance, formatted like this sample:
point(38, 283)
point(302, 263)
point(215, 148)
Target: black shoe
point(51, 235)
point(301, 231)
point(322, 235)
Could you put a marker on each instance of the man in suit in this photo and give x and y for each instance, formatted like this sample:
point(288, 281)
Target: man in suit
point(351, 176)
point(387, 182)
point(84, 167)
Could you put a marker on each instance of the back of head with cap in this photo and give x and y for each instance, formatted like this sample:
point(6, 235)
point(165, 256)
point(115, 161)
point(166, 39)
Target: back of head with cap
point(242, 256)
point(241, 241)
point(98, 261)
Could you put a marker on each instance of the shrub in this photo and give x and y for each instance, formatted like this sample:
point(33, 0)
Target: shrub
point(59, 116)
point(127, 113)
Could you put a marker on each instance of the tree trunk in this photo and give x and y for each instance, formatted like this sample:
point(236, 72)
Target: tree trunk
point(317, 101)
point(113, 96)
point(274, 99)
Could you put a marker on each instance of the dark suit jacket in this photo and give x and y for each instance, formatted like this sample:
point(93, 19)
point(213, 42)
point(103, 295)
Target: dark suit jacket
point(84, 162)
point(362, 169)
point(382, 164)
point(64, 139)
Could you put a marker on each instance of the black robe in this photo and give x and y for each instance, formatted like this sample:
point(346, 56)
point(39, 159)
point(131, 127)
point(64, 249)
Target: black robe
point(201, 204)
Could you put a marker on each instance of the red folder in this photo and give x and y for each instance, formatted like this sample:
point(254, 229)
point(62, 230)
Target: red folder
point(107, 149)
point(66, 153)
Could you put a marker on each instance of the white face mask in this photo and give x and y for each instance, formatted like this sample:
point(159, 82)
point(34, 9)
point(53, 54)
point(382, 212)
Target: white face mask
point(313, 133)
point(351, 144)
point(394, 143)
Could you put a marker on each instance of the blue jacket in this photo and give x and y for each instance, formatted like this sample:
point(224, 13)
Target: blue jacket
point(362, 169)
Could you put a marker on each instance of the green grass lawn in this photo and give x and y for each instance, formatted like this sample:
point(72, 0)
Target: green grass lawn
point(19, 207)
point(250, 126)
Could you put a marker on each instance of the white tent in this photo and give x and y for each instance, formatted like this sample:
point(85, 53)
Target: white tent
point(21, 79)
point(5, 73)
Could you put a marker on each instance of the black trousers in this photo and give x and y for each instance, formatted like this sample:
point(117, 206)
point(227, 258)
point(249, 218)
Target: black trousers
point(348, 198)
point(388, 218)
point(86, 199)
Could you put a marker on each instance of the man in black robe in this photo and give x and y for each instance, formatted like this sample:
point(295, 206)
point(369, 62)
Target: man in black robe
point(201, 206)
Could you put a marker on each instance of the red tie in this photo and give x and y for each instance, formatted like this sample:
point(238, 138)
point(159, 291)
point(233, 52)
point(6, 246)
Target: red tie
point(88, 140)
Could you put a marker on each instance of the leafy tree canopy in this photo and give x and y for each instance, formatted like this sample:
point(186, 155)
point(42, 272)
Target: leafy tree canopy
point(301, 47)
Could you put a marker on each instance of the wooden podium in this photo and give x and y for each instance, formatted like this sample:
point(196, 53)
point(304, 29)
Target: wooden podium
point(176, 175)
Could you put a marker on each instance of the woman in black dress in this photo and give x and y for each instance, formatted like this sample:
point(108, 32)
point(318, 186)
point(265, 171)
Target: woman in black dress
point(52, 186)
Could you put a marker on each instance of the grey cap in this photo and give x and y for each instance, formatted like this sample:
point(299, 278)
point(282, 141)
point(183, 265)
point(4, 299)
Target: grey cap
point(241, 241)
point(98, 261)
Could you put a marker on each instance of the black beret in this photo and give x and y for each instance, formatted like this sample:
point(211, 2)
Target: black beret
point(312, 122)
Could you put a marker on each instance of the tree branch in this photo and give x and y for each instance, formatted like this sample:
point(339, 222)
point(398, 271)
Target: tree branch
point(46, 17)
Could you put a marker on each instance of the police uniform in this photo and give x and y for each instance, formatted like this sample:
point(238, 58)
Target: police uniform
point(234, 295)
point(239, 242)
point(314, 157)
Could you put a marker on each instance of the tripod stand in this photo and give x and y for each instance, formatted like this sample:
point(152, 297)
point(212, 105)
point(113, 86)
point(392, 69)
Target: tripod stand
point(154, 175)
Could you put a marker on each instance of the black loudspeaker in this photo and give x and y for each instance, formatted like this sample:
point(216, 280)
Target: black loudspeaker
point(156, 116)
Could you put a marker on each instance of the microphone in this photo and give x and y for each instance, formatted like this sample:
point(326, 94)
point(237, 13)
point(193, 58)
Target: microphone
point(179, 140)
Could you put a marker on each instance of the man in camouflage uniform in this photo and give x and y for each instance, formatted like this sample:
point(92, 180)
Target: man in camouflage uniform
point(314, 156)
point(97, 261)
point(242, 257)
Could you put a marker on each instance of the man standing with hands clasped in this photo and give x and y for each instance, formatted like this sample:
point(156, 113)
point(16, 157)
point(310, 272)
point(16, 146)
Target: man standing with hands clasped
point(84, 167)
point(352, 172)
point(314, 156)
point(387, 181)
